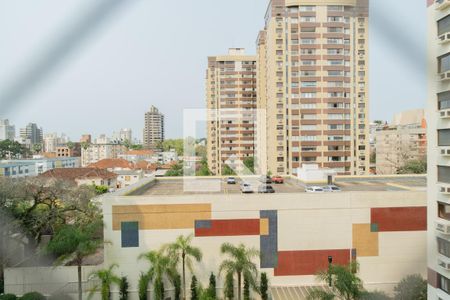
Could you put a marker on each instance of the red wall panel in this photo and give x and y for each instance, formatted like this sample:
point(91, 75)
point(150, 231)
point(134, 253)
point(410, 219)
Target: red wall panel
point(400, 218)
point(230, 228)
point(309, 262)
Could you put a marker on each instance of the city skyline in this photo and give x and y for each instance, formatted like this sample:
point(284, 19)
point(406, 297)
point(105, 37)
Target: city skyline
point(137, 85)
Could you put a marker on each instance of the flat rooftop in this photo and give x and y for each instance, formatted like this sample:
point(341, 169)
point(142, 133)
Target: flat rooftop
point(215, 185)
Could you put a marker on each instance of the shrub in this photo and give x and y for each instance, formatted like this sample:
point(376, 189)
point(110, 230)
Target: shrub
point(123, 288)
point(33, 296)
point(8, 297)
point(264, 287)
point(411, 287)
point(194, 288)
point(60, 297)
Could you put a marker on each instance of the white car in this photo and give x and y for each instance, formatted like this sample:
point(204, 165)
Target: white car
point(314, 189)
point(332, 189)
point(246, 187)
point(231, 180)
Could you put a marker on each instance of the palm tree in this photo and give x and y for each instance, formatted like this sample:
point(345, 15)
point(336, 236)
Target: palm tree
point(241, 263)
point(72, 243)
point(160, 267)
point(107, 278)
point(182, 249)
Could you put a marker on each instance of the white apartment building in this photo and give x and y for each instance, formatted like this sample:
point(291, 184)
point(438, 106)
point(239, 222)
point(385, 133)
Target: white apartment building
point(34, 167)
point(96, 152)
point(153, 128)
point(7, 130)
point(438, 114)
point(52, 141)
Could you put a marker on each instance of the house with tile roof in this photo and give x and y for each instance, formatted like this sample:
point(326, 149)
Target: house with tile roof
point(84, 176)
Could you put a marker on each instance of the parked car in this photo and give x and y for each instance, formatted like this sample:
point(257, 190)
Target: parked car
point(231, 180)
point(265, 179)
point(266, 188)
point(277, 179)
point(314, 189)
point(332, 189)
point(246, 187)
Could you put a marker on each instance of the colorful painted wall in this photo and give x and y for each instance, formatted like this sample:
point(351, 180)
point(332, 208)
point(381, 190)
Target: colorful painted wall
point(295, 233)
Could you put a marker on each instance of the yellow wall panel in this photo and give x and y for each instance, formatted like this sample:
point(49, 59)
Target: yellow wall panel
point(170, 216)
point(364, 241)
point(264, 226)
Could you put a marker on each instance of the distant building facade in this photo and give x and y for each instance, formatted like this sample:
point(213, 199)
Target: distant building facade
point(52, 141)
point(153, 128)
point(84, 176)
point(32, 134)
point(124, 135)
point(95, 152)
point(34, 167)
point(402, 141)
point(7, 130)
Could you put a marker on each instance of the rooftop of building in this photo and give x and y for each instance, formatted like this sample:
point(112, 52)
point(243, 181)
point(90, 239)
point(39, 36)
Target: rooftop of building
point(217, 185)
point(72, 174)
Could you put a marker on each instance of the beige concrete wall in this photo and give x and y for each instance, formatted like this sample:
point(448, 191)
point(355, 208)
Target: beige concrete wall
point(305, 222)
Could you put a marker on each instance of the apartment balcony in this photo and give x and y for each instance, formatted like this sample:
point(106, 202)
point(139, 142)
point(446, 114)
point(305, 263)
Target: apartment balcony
point(444, 114)
point(443, 262)
point(444, 38)
point(442, 4)
point(444, 151)
point(442, 226)
point(441, 294)
point(444, 76)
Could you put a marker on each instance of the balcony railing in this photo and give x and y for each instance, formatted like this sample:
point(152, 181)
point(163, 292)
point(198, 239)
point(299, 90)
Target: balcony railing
point(444, 38)
point(442, 226)
point(445, 76)
point(443, 262)
point(444, 151)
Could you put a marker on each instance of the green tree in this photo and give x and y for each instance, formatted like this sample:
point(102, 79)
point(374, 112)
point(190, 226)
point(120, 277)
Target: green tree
point(101, 189)
point(227, 171)
point(240, 262)
point(413, 167)
point(200, 151)
point(249, 163)
point(211, 291)
point(143, 286)
point(183, 252)
point(124, 285)
point(411, 287)
point(177, 286)
point(37, 148)
point(204, 169)
point(85, 145)
point(176, 170)
point(11, 149)
point(107, 278)
point(160, 268)
point(264, 287)
point(136, 147)
point(375, 295)
point(8, 297)
point(70, 145)
point(228, 288)
point(74, 243)
point(246, 289)
point(33, 296)
point(194, 288)
point(345, 284)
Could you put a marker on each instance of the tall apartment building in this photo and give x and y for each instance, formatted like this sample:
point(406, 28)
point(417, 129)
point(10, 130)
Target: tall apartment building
point(7, 130)
point(401, 141)
point(32, 134)
point(125, 134)
point(96, 152)
point(438, 149)
point(231, 103)
point(153, 128)
point(313, 84)
point(52, 141)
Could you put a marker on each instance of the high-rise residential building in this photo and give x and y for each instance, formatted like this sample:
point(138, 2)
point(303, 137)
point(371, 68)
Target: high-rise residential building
point(32, 134)
point(125, 134)
point(231, 103)
point(313, 84)
point(153, 128)
point(96, 152)
point(401, 141)
point(438, 115)
point(7, 130)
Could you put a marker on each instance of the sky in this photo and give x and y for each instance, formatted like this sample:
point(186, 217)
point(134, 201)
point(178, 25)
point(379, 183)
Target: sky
point(138, 53)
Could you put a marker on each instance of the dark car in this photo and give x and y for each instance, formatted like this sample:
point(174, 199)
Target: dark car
point(265, 188)
point(265, 179)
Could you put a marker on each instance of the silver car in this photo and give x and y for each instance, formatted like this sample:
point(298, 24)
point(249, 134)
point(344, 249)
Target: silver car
point(246, 187)
point(314, 189)
point(332, 189)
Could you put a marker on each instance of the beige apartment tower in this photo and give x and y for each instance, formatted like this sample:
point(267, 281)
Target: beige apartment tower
point(438, 116)
point(231, 103)
point(313, 85)
point(153, 129)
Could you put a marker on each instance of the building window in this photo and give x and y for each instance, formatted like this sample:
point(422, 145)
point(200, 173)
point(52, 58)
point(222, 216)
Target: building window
point(130, 234)
point(443, 247)
point(444, 25)
point(444, 63)
point(444, 283)
point(444, 174)
point(444, 137)
point(444, 100)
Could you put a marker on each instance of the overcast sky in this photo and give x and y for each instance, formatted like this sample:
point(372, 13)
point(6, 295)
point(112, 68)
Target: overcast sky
point(154, 52)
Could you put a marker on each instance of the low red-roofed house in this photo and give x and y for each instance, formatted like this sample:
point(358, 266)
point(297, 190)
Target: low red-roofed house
point(80, 176)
